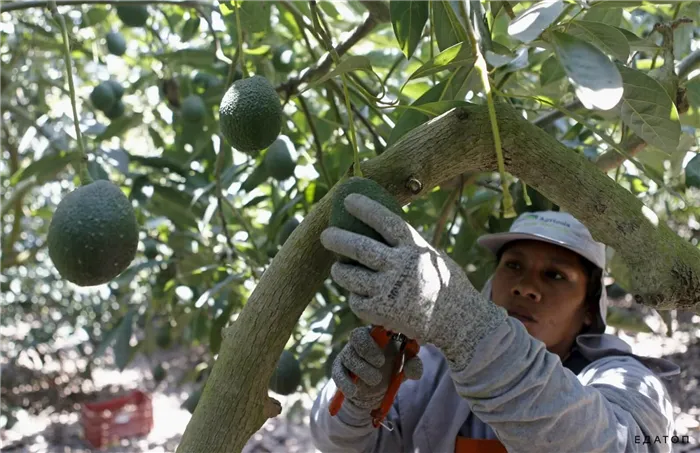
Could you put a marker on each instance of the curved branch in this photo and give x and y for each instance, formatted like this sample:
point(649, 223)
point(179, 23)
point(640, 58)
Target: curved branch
point(612, 159)
point(548, 118)
point(232, 407)
point(688, 64)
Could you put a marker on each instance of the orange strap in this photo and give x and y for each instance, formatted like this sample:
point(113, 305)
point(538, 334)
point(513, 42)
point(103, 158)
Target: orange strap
point(467, 445)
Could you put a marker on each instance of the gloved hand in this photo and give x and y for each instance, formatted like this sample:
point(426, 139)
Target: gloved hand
point(373, 367)
point(409, 287)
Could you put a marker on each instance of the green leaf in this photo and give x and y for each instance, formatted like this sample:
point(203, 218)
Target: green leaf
point(122, 349)
point(456, 56)
point(648, 111)
point(448, 29)
point(118, 127)
point(97, 171)
point(693, 92)
point(97, 14)
point(636, 43)
point(597, 82)
point(408, 19)
point(160, 162)
point(610, 16)
point(551, 71)
point(260, 50)
point(692, 172)
point(196, 58)
point(258, 176)
point(450, 89)
point(330, 10)
point(255, 16)
point(615, 3)
point(190, 28)
point(164, 203)
point(508, 60)
point(608, 39)
point(346, 65)
point(47, 166)
point(655, 158)
point(155, 136)
point(529, 24)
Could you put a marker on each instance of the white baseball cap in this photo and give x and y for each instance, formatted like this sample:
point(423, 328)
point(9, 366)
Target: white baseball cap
point(562, 229)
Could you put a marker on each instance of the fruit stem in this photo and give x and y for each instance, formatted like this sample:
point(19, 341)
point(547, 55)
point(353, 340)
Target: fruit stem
point(480, 65)
point(84, 173)
point(66, 55)
point(239, 36)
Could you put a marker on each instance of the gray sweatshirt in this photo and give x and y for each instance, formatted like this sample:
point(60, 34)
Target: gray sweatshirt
point(516, 391)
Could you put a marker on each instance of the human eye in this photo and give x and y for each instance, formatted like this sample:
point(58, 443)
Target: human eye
point(556, 275)
point(512, 264)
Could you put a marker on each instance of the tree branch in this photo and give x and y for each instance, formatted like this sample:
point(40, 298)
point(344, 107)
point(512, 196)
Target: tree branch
point(378, 9)
point(612, 159)
point(444, 214)
point(14, 6)
point(326, 61)
point(688, 64)
point(548, 118)
point(231, 409)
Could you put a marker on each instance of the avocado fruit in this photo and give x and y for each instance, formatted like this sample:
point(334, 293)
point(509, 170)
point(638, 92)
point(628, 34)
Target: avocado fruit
point(279, 158)
point(250, 114)
point(93, 235)
point(116, 111)
point(341, 218)
point(102, 97)
point(133, 15)
point(287, 229)
point(150, 250)
point(193, 109)
point(283, 59)
point(287, 375)
point(116, 87)
point(116, 44)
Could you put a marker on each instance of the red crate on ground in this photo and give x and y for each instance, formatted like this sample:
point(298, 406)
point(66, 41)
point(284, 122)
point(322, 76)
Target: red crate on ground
point(106, 422)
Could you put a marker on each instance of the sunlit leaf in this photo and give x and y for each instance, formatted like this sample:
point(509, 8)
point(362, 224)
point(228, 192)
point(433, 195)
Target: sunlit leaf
point(692, 172)
point(454, 57)
point(408, 19)
point(529, 24)
point(47, 166)
point(648, 111)
point(551, 71)
point(608, 39)
point(448, 29)
point(596, 80)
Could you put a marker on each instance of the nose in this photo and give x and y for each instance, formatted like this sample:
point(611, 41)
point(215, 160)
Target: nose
point(526, 288)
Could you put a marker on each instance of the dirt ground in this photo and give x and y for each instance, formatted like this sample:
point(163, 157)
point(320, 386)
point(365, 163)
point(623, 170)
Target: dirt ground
point(288, 433)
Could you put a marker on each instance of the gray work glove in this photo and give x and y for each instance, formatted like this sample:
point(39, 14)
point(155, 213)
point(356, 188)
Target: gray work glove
point(372, 365)
point(409, 287)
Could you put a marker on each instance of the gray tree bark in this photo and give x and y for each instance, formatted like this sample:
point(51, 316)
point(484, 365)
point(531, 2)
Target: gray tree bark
point(664, 270)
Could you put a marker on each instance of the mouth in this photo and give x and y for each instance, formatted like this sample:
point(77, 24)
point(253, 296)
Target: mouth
point(521, 316)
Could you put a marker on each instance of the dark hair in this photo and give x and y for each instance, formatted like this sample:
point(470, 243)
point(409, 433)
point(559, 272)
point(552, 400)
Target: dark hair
point(594, 287)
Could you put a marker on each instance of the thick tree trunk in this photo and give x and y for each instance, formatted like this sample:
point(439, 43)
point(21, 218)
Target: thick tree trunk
point(664, 269)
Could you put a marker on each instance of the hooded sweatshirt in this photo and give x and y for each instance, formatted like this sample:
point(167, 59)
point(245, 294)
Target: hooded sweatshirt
point(602, 399)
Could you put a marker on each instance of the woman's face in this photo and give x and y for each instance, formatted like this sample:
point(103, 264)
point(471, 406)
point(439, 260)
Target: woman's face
point(544, 286)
